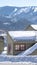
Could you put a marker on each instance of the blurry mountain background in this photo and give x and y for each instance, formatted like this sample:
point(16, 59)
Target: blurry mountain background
point(17, 18)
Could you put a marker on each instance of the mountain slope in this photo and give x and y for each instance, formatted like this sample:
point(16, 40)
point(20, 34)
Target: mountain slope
point(17, 18)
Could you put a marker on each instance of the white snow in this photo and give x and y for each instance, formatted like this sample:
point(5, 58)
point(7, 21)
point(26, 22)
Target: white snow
point(26, 10)
point(13, 12)
point(21, 33)
point(15, 9)
point(5, 48)
point(6, 23)
point(34, 26)
point(35, 9)
point(5, 51)
point(3, 35)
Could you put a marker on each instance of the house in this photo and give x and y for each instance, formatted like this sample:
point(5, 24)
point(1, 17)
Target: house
point(19, 41)
point(1, 43)
point(2, 35)
point(32, 27)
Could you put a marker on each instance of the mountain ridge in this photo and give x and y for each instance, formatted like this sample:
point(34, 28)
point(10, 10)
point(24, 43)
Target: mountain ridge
point(12, 18)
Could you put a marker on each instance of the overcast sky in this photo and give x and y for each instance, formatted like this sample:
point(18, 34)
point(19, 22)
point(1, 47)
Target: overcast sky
point(19, 3)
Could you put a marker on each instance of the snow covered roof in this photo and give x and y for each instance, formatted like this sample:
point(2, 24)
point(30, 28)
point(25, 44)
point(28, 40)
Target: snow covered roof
point(22, 35)
point(34, 26)
point(28, 51)
point(3, 34)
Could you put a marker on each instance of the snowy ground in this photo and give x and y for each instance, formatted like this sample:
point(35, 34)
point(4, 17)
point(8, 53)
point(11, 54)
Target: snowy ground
point(32, 59)
point(29, 59)
point(17, 63)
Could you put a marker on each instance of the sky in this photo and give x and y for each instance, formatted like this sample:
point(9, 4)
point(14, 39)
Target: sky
point(18, 3)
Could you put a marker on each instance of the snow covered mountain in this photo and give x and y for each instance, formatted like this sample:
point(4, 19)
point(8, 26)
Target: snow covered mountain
point(29, 13)
point(16, 18)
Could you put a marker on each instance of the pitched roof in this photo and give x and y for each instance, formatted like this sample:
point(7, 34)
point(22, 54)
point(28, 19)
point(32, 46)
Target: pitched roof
point(34, 26)
point(22, 35)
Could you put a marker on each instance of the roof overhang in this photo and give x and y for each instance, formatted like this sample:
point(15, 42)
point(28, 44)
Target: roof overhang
point(22, 35)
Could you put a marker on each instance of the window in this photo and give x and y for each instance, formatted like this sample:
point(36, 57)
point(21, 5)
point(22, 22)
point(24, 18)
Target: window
point(20, 47)
point(16, 47)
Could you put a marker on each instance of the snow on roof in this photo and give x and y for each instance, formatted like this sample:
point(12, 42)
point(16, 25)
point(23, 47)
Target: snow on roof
point(3, 34)
point(22, 35)
point(28, 51)
point(34, 26)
